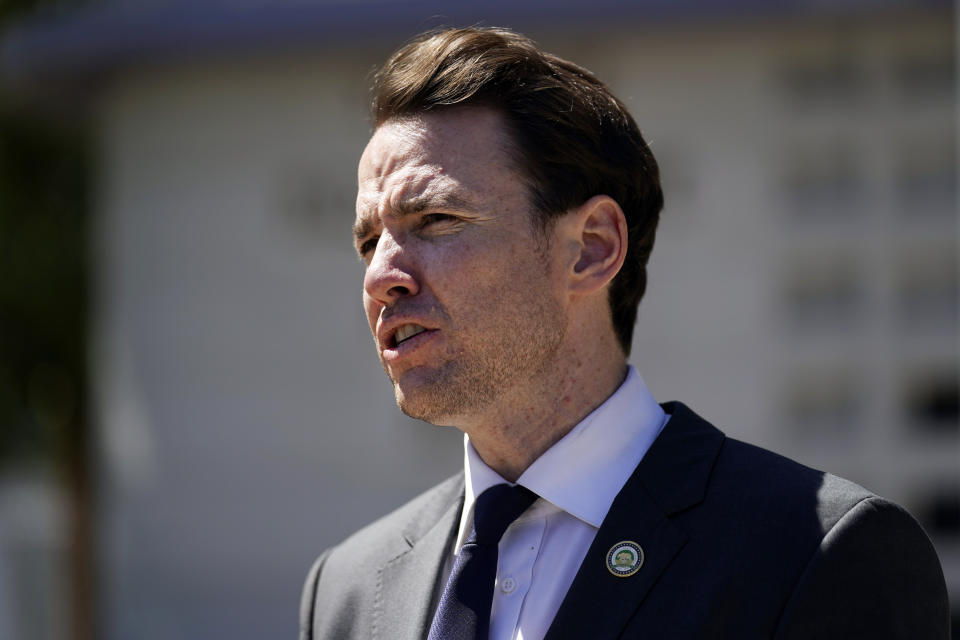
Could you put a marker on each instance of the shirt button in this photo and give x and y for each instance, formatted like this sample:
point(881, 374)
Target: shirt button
point(508, 585)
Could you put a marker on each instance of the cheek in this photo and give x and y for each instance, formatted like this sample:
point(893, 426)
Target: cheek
point(464, 281)
point(471, 260)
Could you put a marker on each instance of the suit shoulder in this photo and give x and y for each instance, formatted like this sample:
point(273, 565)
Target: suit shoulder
point(769, 479)
point(410, 520)
point(774, 546)
point(341, 586)
point(785, 500)
point(853, 584)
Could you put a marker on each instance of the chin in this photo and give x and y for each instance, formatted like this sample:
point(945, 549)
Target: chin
point(436, 420)
point(438, 406)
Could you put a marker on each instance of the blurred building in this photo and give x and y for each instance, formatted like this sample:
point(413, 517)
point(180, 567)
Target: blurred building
point(803, 292)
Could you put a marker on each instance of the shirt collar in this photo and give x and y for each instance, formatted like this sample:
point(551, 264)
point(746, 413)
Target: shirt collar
point(584, 471)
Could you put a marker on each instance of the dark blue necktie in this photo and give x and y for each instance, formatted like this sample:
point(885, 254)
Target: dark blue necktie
point(464, 609)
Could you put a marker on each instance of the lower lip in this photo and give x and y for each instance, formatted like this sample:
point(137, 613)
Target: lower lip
point(409, 345)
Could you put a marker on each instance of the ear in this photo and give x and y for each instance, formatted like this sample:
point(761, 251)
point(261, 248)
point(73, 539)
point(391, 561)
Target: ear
point(596, 232)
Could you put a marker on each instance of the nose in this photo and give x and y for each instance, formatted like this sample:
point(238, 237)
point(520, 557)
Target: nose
point(390, 274)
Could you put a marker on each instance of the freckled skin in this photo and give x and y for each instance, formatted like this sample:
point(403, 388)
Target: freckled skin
point(469, 263)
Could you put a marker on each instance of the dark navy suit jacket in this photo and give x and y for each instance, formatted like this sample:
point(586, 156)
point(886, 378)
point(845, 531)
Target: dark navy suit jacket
point(738, 543)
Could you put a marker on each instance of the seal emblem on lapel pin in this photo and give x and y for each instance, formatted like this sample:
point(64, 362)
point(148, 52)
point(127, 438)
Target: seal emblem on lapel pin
point(624, 559)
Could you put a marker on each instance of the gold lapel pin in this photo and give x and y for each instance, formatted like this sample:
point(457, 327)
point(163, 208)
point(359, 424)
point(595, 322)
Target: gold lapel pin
point(624, 559)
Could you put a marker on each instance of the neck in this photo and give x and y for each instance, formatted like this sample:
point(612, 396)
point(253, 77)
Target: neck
point(524, 427)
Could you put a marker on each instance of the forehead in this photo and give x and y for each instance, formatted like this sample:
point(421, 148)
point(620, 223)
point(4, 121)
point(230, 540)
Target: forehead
point(461, 152)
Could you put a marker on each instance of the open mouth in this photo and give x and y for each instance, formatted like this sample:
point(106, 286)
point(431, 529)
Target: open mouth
point(405, 332)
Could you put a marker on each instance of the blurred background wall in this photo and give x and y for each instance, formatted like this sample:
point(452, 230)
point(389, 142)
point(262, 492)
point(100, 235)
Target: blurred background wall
point(222, 417)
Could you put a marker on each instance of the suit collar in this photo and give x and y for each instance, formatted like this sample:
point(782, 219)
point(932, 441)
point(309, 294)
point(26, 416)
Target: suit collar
point(672, 477)
point(676, 469)
point(584, 470)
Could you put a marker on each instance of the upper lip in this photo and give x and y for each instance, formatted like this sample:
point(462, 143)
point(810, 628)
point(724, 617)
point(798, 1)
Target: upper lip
point(387, 329)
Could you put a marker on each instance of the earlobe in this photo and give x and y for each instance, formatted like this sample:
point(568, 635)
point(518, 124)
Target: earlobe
point(601, 230)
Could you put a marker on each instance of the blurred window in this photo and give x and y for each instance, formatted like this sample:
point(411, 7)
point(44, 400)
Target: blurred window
point(926, 176)
point(939, 511)
point(823, 402)
point(932, 402)
point(927, 289)
point(926, 76)
point(823, 182)
point(823, 293)
point(834, 79)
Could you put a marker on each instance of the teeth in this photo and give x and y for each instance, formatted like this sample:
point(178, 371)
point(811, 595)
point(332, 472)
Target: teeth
point(407, 331)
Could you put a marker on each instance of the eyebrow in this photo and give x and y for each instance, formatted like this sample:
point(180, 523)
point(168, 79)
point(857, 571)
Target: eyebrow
point(412, 206)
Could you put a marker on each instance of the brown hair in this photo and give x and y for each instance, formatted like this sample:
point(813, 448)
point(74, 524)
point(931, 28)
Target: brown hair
point(572, 138)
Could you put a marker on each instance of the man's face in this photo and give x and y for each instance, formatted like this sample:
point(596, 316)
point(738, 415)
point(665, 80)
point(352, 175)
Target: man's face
point(465, 304)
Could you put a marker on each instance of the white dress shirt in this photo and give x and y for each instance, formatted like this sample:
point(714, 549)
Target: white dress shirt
point(577, 480)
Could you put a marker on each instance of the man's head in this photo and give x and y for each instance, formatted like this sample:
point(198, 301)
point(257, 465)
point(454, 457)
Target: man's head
point(569, 137)
point(464, 310)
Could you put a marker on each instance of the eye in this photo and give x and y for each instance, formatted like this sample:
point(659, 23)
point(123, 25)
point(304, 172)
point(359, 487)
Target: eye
point(367, 246)
point(436, 218)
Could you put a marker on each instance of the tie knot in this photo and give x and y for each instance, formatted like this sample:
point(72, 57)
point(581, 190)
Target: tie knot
point(496, 508)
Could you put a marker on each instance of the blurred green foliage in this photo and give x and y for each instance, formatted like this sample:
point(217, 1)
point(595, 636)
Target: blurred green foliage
point(44, 208)
point(12, 10)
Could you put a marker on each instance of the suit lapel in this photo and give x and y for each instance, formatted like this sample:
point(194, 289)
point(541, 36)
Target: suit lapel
point(406, 584)
point(598, 603)
point(672, 476)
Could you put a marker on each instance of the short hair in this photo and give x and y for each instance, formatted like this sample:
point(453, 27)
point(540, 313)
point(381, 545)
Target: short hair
point(572, 138)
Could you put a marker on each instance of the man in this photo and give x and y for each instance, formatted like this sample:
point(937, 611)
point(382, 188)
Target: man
point(506, 210)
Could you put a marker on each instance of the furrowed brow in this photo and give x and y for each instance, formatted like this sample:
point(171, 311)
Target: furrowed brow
point(361, 229)
point(450, 202)
point(364, 227)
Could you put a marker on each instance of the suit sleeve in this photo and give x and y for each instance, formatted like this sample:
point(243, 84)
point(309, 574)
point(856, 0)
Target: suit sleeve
point(874, 575)
point(309, 597)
